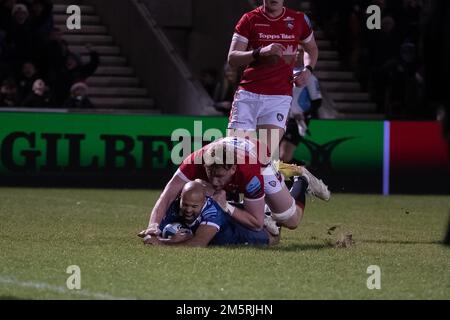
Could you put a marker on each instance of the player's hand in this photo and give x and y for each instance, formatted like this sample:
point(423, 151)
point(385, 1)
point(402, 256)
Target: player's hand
point(152, 240)
point(181, 236)
point(271, 54)
point(301, 78)
point(273, 49)
point(221, 198)
point(152, 229)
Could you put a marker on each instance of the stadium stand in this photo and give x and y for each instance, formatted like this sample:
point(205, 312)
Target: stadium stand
point(114, 85)
point(162, 65)
point(339, 83)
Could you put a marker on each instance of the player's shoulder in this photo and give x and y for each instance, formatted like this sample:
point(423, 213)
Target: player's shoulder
point(212, 210)
point(255, 13)
point(211, 207)
point(300, 15)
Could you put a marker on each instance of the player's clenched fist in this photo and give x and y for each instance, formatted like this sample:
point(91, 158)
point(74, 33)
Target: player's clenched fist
point(221, 198)
point(273, 49)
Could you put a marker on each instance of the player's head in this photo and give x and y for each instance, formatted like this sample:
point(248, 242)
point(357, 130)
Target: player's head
point(273, 5)
point(220, 161)
point(193, 198)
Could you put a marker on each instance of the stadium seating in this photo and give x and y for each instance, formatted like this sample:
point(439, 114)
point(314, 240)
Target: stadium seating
point(114, 85)
point(343, 89)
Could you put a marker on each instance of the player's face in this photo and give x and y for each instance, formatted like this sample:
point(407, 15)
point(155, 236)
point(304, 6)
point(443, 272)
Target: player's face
point(273, 5)
point(191, 207)
point(219, 177)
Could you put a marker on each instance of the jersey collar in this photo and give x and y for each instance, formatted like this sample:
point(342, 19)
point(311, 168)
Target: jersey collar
point(261, 9)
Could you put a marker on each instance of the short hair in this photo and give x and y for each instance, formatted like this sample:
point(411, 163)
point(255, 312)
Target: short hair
point(220, 155)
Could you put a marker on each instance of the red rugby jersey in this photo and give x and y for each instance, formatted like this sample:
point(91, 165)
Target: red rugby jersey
point(257, 29)
point(247, 179)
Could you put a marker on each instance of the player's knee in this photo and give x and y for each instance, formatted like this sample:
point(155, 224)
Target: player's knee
point(286, 216)
point(293, 222)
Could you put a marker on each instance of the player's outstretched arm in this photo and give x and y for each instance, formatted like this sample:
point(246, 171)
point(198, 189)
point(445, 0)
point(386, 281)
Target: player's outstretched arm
point(201, 238)
point(171, 191)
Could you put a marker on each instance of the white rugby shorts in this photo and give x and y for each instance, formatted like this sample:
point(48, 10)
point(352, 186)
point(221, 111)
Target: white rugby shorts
point(250, 110)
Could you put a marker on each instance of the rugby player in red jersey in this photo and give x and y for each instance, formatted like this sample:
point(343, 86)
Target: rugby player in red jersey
point(265, 42)
point(231, 165)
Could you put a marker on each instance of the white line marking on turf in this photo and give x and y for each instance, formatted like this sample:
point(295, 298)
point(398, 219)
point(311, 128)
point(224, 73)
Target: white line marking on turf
point(48, 287)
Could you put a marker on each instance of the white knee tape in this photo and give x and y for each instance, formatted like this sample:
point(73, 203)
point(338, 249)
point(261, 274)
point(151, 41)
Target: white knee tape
point(283, 216)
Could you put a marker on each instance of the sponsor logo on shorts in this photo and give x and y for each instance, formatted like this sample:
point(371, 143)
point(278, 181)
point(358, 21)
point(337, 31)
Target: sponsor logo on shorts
point(280, 117)
point(273, 184)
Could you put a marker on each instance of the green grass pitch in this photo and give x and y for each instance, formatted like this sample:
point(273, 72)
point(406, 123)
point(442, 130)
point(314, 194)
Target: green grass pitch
point(43, 231)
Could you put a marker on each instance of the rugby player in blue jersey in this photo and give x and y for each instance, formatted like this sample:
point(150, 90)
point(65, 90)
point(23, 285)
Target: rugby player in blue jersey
point(208, 223)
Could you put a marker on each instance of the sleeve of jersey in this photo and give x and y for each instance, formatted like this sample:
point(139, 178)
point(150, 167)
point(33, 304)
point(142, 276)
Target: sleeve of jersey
point(242, 30)
point(170, 217)
point(212, 217)
point(254, 185)
point(306, 31)
point(187, 169)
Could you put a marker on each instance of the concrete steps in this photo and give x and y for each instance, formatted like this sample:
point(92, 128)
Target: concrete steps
point(117, 92)
point(105, 81)
point(102, 50)
point(340, 84)
point(122, 103)
point(114, 71)
point(349, 96)
point(114, 85)
point(62, 9)
point(361, 107)
point(88, 29)
point(107, 61)
point(86, 20)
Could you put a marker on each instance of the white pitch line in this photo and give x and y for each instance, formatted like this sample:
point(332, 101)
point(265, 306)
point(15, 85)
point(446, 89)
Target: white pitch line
point(58, 289)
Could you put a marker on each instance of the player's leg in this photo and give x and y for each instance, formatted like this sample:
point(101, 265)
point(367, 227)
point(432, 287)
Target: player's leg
point(287, 207)
point(290, 141)
point(280, 202)
point(287, 150)
point(243, 114)
point(245, 236)
point(271, 121)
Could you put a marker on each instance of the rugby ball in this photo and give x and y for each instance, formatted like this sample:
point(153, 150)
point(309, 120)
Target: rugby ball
point(172, 228)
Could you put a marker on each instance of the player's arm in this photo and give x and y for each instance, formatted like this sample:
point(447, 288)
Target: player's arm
point(238, 55)
point(311, 53)
point(252, 216)
point(203, 236)
point(171, 191)
point(310, 56)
